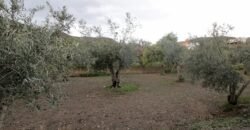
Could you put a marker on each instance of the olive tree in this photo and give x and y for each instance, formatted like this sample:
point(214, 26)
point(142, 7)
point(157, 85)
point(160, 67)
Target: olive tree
point(121, 54)
point(32, 58)
point(60, 22)
point(101, 52)
point(138, 48)
point(173, 53)
point(152, 54)
point(111, 55)
point(210, 61)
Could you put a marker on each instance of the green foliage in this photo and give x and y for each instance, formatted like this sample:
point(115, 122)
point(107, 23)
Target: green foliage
point(173, 52)
point(180, 78)
point(125, 88)
point(221, 123)
point(100, 53)
point(168, 39)
point(32, 57)
point(228, 107)
point(95, 74)
point(152, 54)
point(241, 55)
point(105, 52)
point(239, 67)
point(209, 62)
point(82, 57)
point(214, 62)
point(248, 41)
point(245, 100)
point(63, 20)
point(129, 88)
point(137, 48)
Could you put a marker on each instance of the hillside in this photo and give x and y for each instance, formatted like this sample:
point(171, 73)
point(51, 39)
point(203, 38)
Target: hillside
point(87, 40)
point(189, 43)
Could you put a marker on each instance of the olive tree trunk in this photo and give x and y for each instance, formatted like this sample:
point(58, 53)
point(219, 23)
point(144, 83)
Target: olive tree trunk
point(180, 77)
point(2, 115)
point(115, 76)
point(116, 80)
point(233, 96)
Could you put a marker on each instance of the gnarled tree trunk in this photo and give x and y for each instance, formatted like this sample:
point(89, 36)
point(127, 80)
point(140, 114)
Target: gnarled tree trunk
point(2, 115)
point(180, 77)
point(233, 96)
point(115, 76)
point(116, 80)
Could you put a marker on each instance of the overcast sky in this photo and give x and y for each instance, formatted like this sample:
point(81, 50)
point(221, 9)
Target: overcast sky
point(159, 17)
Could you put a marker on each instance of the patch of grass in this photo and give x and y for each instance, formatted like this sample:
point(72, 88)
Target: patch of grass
point(94, 74)
point(125, 88)
point(238, 67)
point(239, 117)
point(129, 88)
point(221, 123)
point(244, 100)
point(180, 79)
point(228, 107)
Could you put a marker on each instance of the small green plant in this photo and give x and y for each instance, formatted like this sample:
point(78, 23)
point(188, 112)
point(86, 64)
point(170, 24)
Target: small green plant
point(95, 74)
point(129, 88)
point(125, 88)
point(244, 100)
point(228, 107)
point(221, 123)
point(180, 78)
point(239, 67)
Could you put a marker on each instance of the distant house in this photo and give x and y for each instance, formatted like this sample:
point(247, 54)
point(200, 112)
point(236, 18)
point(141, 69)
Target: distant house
point(231, 41)
point(184, 43)
point(237, 41)
point(189, 44)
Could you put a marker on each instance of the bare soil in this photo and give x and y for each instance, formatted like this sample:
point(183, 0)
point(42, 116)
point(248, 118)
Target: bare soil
point(159, 103)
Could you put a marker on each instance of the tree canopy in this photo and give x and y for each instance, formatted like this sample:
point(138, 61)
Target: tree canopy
point(33, 57)
point(211, 62)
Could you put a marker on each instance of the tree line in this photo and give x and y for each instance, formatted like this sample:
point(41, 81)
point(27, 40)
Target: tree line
point(35, 57)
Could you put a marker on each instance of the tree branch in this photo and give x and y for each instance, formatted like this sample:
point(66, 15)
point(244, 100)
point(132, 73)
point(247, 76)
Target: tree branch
point(243, 88)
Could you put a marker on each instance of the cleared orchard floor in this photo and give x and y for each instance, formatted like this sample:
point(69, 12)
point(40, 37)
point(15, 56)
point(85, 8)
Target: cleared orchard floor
point(160, 103)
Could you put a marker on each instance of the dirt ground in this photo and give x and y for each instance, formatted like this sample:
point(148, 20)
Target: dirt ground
point(160, 103)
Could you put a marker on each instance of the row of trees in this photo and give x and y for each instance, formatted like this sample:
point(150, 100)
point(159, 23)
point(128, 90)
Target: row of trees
point(34, 57)
point(211, 61)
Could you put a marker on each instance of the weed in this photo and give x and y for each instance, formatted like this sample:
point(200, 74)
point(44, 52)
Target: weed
point(244, 100)
point(222, 123)
point(95, 74)
point(125, 88)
